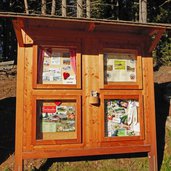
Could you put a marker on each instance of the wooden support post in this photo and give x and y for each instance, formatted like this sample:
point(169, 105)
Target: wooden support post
point(150, 111)
point(19, 111)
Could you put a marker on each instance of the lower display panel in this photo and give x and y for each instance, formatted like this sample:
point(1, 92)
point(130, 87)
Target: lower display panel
point(57, 118)
point(121, 117)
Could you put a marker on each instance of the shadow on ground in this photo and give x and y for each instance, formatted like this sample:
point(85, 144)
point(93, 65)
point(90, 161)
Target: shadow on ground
point(7, 127)
point(162, 111)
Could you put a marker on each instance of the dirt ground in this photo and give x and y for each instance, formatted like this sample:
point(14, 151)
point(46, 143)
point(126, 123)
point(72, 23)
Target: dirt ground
point(7, 121)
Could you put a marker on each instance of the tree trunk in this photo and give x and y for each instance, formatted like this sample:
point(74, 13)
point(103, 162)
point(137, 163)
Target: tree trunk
point(53, 9)
point(79, 8)
point(26, 6)
point(88, 15)
point(43, 7)
point(63, 8)
point(143, 11)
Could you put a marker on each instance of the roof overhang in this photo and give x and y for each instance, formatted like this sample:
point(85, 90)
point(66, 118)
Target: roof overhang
point(24, 22)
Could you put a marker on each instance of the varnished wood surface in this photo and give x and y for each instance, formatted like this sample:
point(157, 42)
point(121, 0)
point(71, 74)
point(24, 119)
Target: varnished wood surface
point(89, 139)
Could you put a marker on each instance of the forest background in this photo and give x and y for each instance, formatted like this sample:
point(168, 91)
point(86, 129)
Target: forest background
point(155, 11)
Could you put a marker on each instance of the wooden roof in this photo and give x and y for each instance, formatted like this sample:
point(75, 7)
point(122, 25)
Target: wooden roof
point(83, 25)
point(73, 23)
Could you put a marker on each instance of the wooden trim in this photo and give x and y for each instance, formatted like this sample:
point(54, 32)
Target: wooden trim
point(122, 95)
point(149, 110)
point(86, 151)
point(28, 97)
point(61, 97)
point(19, 111)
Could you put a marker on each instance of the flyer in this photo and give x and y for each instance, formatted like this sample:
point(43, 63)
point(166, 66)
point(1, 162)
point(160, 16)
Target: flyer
point(58, 116)
point(58, 66)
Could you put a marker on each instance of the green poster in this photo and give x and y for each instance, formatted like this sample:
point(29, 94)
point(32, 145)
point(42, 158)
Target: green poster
point(120, 64)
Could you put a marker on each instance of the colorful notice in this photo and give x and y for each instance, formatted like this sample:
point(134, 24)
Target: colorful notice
point(58, 117)
point(119, 67)
point(57, 67)
point(119, 64)
point(121, 118)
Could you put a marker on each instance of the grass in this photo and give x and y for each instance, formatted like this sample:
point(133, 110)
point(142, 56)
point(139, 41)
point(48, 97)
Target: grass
point(166, 165)
point(131, 164)
point(122, 164)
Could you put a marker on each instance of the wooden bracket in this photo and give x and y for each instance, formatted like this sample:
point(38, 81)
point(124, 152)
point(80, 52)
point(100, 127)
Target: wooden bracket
point(18, 32)
point(157, 34)
point(22, 37)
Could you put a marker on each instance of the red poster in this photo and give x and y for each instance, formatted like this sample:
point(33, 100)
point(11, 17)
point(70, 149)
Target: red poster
point(49, 109)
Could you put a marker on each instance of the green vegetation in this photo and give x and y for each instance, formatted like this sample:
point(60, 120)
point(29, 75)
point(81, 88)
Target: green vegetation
point(166, 165)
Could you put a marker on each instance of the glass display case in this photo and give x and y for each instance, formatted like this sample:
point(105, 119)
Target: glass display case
point(122, 69)
point(119, 67)
point(121, 117)
point(57, 67)
point(56, 119)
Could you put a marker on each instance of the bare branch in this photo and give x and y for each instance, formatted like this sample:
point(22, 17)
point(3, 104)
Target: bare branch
point(165, 3)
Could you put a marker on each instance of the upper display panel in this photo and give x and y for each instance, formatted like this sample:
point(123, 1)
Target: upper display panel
point(119, 67)
point(122, 69)
point(57, 66)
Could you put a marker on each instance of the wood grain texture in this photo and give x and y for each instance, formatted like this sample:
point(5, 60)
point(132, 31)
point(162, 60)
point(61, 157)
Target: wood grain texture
point(149, 111)
point(19, 111)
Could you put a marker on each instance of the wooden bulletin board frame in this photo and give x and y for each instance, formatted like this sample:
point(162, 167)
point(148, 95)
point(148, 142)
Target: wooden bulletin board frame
point(125, 95)
point(58, 86)
point(78, 131)
point(122, 85)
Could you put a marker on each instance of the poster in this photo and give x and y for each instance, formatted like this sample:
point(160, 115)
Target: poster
point(57, 116)
point(119, 67)
point(121, 118)
point(58, 67)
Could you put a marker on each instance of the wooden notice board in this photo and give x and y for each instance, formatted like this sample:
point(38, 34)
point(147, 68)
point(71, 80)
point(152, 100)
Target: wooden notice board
point(82, 91)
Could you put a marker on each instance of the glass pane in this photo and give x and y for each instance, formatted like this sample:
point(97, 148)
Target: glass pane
point(57, 66)
point(56, 119)
point(121, 118)
point(119, 67)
